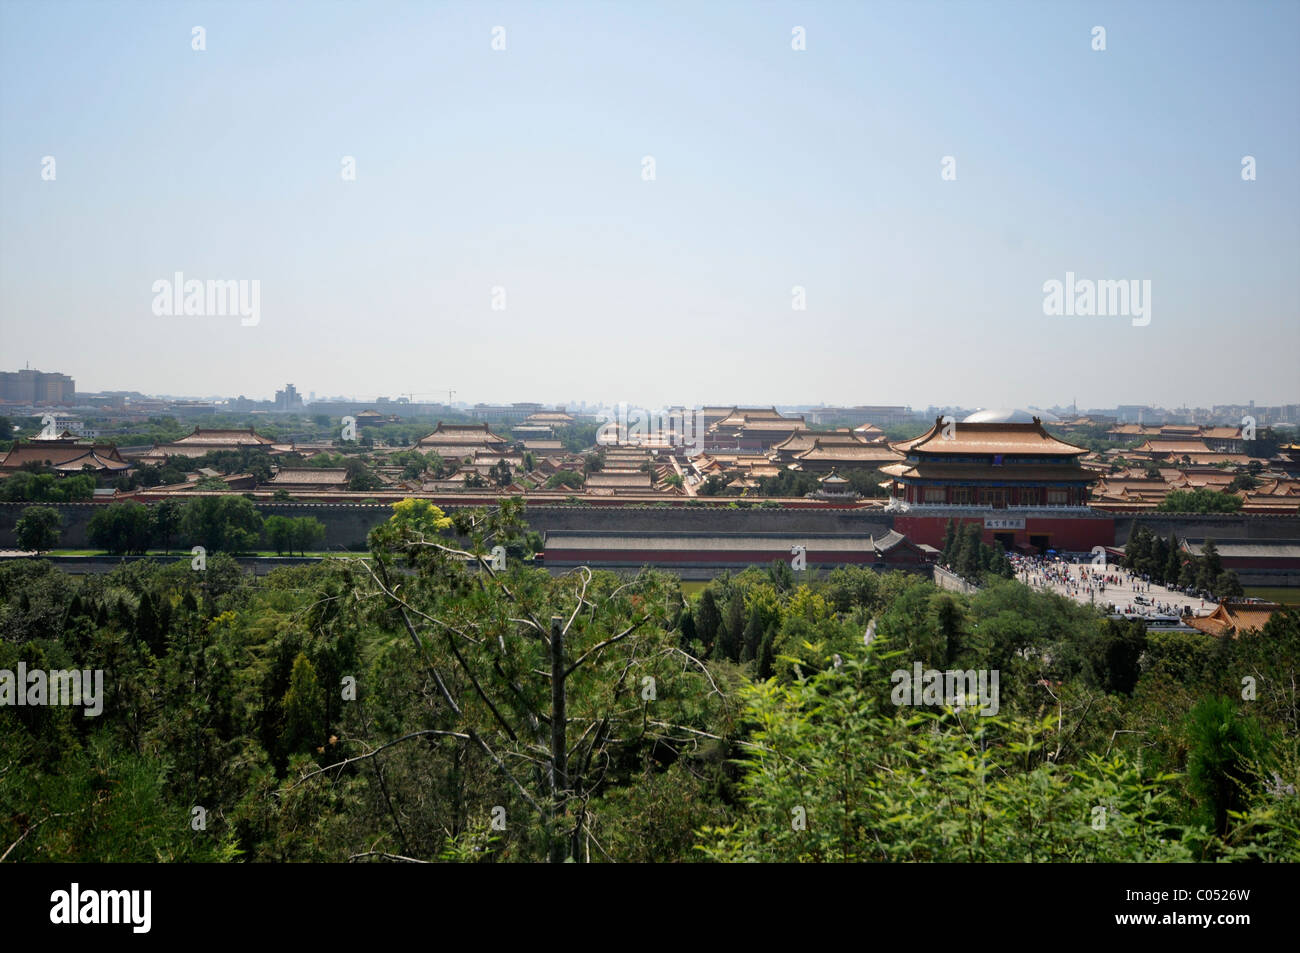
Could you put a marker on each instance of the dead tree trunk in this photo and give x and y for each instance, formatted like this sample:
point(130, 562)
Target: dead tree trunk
point(559, 743)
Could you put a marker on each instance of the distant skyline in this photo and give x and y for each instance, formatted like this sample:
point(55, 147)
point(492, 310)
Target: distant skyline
point(593, 401)
point(516, 176)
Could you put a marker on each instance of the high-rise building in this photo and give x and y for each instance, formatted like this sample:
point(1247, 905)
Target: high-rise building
point(36, 387)
point(288, 399)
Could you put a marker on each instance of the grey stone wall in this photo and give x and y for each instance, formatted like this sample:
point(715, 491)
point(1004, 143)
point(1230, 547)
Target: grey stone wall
point(346, 524)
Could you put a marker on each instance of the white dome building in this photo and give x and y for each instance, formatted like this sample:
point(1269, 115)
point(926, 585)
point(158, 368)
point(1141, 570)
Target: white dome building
point(1011, 416)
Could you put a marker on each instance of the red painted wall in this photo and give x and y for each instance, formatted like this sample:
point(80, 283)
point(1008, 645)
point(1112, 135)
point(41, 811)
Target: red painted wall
point(1079, 534)
point(662, 557)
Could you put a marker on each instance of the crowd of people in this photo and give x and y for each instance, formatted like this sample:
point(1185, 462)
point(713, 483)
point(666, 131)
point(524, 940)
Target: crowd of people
point(1080, 580)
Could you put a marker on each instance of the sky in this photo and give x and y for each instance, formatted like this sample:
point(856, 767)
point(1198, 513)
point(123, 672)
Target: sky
point(502, 235)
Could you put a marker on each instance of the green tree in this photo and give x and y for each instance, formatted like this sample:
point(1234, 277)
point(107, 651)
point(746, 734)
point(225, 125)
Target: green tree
point(1113, 656)
point(1209, 566)
point(1137, 548)
point(571, 692)
point(1223, 744)
point(767, 652)
point(841, 774)
point(38, 528)
point(950, 624)
point(1159, 558)
point(1266, 444)
point(781, 575)
point(1228, 586)
point(147, 624)
point(968, 552)
point(569, 478)
point(121, 528)
point(359, 476)
point(307, 533)
point(304, 708)
point(166, 517)
point(949, 542)
point(222, 524)
point(708, 620)
point(713, 485)
point(79, 487)
point(43, 487)
point(865, 482)
point(1199, 501)
point(1243, 481)
point(1173, 562)
point(687, 626)
point(280, 533)
point(731, 635)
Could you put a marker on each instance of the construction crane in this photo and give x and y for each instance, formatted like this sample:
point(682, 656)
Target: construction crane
point(410, 396)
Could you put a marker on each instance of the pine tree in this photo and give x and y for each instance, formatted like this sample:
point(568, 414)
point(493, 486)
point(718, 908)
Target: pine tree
point(781, 575)
point(1211, 566)
point(1173, 564)
point(968, 554)
point(766, 652)
point(164, 619)
point(1138, 548)
point(689, 635)
point(753, 638)
point(1143, 561)
point(949, 542)
point(1001, 565)
point(304, 708)
point(1131, 547)
point(1221, 745)
point(731, 638)
point(123, 615)
point(1228, 586)
point(949, 622)
point(708, 620)
point(1159, 558)
point(146, 623)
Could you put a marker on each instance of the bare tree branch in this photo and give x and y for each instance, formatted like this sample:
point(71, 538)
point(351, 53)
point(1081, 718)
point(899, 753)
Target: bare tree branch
point(582, 597)
point(380, 853)
point(371, 754)
point(610, 641)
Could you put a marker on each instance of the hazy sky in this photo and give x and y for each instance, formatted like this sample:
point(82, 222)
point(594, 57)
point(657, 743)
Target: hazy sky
point(522, 169)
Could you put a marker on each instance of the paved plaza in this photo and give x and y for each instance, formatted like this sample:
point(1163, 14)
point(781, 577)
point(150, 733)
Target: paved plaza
point(1106, 585)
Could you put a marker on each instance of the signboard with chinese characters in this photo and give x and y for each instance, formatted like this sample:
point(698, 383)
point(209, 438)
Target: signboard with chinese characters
point(1004, 522)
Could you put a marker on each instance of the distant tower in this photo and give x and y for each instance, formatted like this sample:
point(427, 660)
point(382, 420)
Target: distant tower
point(288, 399)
